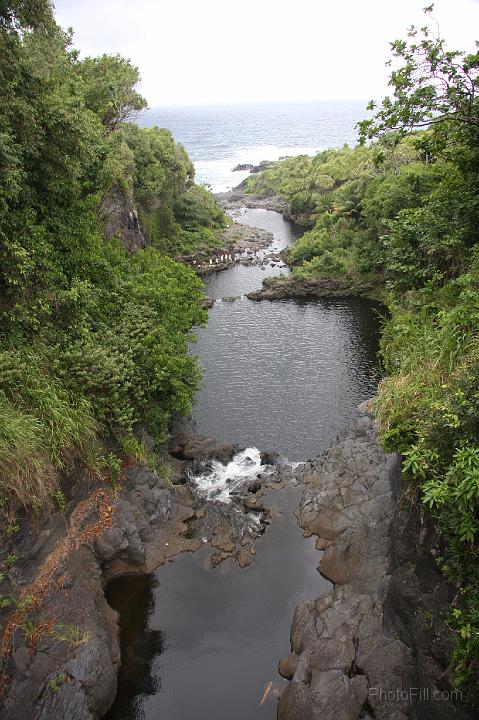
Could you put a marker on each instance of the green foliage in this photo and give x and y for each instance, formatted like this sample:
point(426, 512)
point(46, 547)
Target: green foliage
point(389, 193)
point(16, 15)
point(428, 406)
point(179, 216)
point(405, 209)
point(350, 195)
point(198, 209)
point(11, 560)
point(464, 624)
point(12, 529)
point(458, 489)
point(41, 426)
point(56, 683)
point(136, 450)
point(71, 634)
point(112, 465)
point(93, 339)
point(161, 168)
point(59, 500)
point(431, 87)
point(310, 245)
point(110, 82)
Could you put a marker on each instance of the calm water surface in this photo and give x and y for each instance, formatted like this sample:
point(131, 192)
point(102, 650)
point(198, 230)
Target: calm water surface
point(200, 643)
point(285, 375)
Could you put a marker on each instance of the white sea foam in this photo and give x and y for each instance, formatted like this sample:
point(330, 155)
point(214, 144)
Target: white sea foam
point(219, 173)
point(219, 481)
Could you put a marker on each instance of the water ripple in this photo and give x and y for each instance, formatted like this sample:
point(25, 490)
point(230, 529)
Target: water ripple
point(285, 375)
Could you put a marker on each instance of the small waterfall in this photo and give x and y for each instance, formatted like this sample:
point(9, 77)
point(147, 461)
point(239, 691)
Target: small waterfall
point(218, 482)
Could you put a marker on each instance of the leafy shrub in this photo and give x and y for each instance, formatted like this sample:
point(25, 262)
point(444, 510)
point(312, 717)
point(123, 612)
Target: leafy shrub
point(93, 340)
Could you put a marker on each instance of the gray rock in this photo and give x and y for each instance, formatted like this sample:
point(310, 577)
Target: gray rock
point(140, 475)
point(120, 219)
point(77, 679)
point(359, 649)
point(200, 447)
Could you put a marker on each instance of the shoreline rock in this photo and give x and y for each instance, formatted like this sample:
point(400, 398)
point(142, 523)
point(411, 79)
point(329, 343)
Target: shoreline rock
point(242, 166)
point(236, 239)
point(290, 288)
point(353, 655)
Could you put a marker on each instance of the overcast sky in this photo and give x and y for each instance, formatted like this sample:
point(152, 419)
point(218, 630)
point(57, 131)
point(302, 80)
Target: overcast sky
point(213, 51)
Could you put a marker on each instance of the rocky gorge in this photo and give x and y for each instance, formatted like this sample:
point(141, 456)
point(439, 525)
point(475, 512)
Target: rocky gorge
point(373, 645)
point(62, 649)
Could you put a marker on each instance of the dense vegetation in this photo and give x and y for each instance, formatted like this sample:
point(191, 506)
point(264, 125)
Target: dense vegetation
point(350, 197)
point(93, 339)
point(405, 210)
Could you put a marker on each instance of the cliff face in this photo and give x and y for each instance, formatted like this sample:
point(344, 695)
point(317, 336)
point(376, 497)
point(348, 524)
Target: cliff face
point(60, 654)
point(119, 217)
point(374, 646)
point(418, 600)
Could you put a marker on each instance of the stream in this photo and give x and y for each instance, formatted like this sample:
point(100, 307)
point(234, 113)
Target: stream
point(282, 376)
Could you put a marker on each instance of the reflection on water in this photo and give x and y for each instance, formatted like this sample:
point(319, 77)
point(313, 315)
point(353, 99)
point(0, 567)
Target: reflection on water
point(224, 630)
point(132, 596)
point(287, 375)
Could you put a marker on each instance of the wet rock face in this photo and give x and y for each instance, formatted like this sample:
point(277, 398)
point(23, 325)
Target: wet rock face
point(199, 447)
point(65, 676)
point(347, 662)
point(120, 219)
point(418, 601)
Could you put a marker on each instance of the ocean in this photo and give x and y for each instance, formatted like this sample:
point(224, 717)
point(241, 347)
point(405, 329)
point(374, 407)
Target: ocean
point(219, 137)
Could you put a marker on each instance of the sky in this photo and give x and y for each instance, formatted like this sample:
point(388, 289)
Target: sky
point(213, 51)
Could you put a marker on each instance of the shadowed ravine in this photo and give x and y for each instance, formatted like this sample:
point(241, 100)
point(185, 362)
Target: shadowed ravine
point(282, 376)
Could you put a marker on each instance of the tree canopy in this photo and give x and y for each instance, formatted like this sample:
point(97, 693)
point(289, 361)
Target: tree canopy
point(432, 86)
point(94, 340)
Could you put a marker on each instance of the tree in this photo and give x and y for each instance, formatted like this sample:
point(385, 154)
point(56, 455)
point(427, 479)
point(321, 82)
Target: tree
point(432, 87)
point(110, 89)
point(16, 15)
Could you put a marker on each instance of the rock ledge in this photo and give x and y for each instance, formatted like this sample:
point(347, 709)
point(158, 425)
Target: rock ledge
point(351, 656)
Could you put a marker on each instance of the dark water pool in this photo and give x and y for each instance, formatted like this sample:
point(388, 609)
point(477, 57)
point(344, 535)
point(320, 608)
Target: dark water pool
point(210, 640)
point(282, 375)
point(201, 643)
